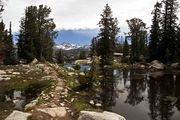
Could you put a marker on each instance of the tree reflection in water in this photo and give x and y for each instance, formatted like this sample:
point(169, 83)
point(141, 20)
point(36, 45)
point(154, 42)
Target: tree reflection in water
point(108, 90)
point(159, 95)
point(159, 89)
point(136, 89)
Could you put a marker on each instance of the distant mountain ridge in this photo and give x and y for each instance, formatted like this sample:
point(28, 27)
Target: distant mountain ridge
point(76, 36)
point(68, 46)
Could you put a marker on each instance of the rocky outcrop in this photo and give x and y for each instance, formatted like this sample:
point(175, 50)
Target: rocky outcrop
point(157, 65)
point(88, 115)
point(17, 115)
point(175, 65)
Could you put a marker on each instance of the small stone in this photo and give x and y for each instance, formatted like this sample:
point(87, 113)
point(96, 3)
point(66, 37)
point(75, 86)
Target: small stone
point(62, 104)
point(72, 114)
point(98, 105)
point(16, 73)
point(91, 102)
point(82, 74)
point(69, 111)
point(59, 88)
point(72, 99)
point(77, 92)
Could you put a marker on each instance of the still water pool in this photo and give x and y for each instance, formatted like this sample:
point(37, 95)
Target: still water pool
point(139, 95)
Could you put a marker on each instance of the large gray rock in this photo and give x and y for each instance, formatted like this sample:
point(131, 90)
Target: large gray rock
point(55, 112)
point(88, 115)
point(157, 65)
point(17, 115)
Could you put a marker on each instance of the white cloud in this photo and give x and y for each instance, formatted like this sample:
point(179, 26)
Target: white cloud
point(74, 14)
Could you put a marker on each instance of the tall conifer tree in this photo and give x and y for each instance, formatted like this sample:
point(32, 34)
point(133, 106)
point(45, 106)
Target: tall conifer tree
point(155, 33)
point(168, 41)
point(125, 48)
point(9, 48)
point(36, 34)
point(107, 37)
point(138, 35)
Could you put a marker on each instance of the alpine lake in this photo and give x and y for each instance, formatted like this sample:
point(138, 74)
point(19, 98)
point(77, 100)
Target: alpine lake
point(134, 94)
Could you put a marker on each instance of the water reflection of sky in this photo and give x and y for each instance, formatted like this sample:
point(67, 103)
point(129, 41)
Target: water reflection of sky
point(140, 97)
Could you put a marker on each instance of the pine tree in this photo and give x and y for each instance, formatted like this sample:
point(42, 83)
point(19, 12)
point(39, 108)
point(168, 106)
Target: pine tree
point(2, 46)
point(82, 55)
point(46, 33)
point(138, 35)
point(168, 31)
point(178, 44)
point(36, 34)
point(107, 37)
point(94, 47)
point(28, 35)
point(60, 57)
point(9, 48)
point(155, 31)
point(125, 50)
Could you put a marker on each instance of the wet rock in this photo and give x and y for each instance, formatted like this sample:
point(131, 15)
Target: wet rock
point(17, 115)
point(55, 112)
point(157, 65)
point(88, 115)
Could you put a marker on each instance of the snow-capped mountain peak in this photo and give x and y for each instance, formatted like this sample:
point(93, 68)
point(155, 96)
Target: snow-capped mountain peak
point(67, 46)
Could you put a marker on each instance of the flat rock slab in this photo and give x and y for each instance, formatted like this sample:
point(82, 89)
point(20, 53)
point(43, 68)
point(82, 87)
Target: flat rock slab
point(17, 115)
point(2, 72)
point(54, 112)
point(89, 115)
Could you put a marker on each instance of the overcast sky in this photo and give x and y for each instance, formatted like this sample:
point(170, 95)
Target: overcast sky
point(76, 14)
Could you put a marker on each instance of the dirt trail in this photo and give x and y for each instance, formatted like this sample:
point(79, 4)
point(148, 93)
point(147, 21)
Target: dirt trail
point(55, 100)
